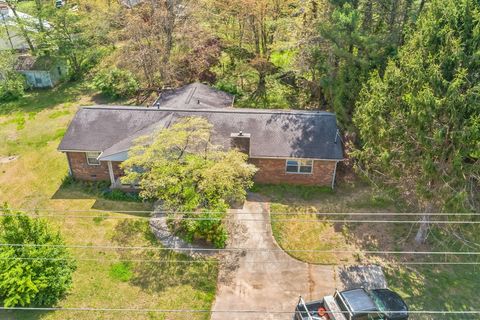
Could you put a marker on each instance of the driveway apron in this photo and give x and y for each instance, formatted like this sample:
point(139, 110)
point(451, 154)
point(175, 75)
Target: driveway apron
point(266, 283)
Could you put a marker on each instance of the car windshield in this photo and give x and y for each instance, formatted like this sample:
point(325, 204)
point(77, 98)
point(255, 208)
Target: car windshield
point(389, 303)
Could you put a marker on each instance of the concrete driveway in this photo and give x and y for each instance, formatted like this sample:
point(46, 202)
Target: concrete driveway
point(266, 280)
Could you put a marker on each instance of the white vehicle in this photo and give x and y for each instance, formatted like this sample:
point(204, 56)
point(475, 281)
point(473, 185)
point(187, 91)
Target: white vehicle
point(356, 304)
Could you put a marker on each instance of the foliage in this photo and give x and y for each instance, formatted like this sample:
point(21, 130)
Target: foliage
point(344, 43)
point(419, 123)
point(165, 45)
point(27, 277)
point(12, 84)
point(250, 32)
point(183, 169)
point(116, 83)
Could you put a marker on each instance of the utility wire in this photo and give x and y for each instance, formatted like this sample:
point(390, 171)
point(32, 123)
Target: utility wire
point(413, 214)
point(219, 262)
point(247, 220)
point(441, 312)
point(463, 253)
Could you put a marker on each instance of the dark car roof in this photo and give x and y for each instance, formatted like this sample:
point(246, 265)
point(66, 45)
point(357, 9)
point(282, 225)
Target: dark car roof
point(392, 302)
point(274, 133)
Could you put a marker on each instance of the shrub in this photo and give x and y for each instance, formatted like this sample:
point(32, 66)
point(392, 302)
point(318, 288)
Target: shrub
point(229, 87)
point(12, 86)
point(116, 83)
point(32, 275)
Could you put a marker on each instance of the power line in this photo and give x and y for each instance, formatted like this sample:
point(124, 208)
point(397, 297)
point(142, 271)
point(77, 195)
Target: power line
point(219, 262)
point(413, 214)
point(474, 253)
point(441, 312)
point(247, 220)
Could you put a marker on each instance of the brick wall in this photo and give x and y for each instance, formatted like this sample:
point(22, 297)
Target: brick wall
point(81, 170)
point(270, 171)
point(273, 171)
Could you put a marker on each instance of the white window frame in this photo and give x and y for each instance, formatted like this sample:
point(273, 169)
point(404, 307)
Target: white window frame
point(300, 163)
point(97, 163)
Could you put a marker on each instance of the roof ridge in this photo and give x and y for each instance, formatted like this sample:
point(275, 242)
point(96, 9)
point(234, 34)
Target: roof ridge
point(216, 110)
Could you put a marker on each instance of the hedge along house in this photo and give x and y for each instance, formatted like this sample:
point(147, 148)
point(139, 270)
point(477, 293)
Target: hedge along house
point(41, 72)
point(295, 147)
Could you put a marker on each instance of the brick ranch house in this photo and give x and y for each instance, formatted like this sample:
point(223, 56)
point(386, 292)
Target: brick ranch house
point(287, 146)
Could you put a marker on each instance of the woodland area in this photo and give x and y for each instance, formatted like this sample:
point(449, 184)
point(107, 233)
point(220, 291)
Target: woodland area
point(401, 76)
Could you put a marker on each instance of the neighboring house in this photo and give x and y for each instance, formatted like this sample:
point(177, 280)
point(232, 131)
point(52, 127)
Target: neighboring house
point(42, 72)
point(287, 146)
point(11, 36)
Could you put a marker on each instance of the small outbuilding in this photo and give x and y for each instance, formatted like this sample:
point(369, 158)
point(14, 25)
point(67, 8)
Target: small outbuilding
point(43, 71)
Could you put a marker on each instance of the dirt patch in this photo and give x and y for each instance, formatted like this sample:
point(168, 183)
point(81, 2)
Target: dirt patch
point(8, 159)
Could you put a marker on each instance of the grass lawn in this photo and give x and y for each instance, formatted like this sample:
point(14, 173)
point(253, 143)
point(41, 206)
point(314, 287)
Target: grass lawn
point(453, 287)
point(31, 129)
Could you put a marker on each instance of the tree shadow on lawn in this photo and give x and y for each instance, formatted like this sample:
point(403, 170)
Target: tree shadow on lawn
point(23, 315)
point(167, 269)
point(158, 276)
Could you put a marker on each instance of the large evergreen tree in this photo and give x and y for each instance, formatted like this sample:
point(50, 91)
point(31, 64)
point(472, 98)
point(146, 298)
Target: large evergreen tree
point(420, 122)
point(344, 43)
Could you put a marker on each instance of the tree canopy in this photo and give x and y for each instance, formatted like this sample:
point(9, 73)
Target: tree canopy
point(36, 270)
point(182, 167)
point(420, 122)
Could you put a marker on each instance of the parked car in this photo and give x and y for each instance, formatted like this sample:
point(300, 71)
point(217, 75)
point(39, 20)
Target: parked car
point(59, 3)
point(356, 304)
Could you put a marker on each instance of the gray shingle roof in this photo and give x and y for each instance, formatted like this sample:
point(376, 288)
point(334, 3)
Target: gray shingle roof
point(194, 96)
point(274, 133)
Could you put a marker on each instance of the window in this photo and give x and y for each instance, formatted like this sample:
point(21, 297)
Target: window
point(92, 158)
point(299, 166)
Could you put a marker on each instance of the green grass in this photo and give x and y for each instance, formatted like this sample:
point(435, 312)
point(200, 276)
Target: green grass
point(31, 128)
point(451, 287)
point(277, 192)
point(66, 94)
point(121, 271)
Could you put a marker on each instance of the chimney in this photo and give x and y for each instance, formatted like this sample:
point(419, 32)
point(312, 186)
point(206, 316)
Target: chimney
point(240, 141)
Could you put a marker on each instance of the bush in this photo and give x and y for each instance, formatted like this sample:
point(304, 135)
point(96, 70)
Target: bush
point(229, 87)
point(12, 86)
point(116, 83)
point(32, 275)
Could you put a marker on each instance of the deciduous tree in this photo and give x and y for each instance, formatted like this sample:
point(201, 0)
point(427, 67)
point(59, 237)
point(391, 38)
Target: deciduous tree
point(36, 270)
point(181, 167)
